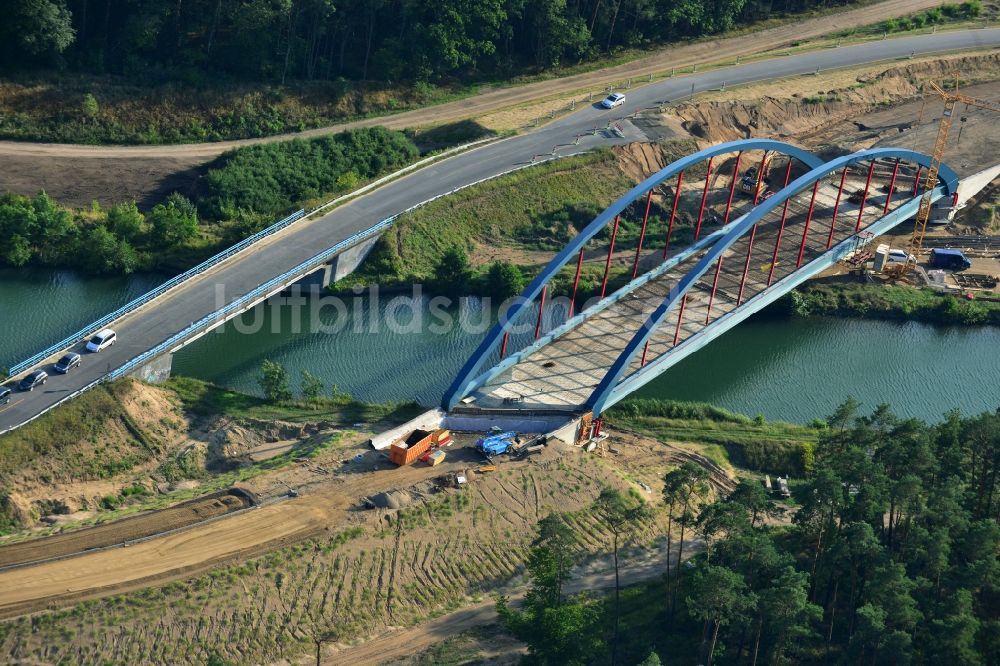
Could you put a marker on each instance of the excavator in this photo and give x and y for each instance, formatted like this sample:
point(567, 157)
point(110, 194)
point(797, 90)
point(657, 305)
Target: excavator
point(753, 183)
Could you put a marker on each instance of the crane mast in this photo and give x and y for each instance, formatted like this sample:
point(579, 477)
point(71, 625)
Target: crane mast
point(951, 100)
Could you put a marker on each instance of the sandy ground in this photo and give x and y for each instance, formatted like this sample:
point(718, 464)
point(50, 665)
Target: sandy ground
point(323, 507)
point(176, 555)
point(122, 531)
point(599, 576)
point(322, 503)
point(78, 174)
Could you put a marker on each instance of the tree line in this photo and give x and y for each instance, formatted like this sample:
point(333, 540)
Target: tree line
point(120, 239)
point(888, 553)
point(243, 191)
point(361, 40)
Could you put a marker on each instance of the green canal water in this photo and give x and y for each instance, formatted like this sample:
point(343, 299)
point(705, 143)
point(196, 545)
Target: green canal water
point(794, 370)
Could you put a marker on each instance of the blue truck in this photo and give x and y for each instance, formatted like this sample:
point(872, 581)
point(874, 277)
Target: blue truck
point(949, 258)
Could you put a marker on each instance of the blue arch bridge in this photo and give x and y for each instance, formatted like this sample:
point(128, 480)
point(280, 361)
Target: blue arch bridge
point(684, 256)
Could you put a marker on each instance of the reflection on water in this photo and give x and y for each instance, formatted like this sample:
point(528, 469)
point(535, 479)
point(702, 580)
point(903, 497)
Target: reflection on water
point(39, 307)
point(795, 370)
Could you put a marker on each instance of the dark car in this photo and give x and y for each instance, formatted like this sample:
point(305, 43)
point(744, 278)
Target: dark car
point(37, 378)
point(946, 257)
point(4, 395)
point(67, 363)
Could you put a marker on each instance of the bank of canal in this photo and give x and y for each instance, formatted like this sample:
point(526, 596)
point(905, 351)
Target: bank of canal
point(790, 369)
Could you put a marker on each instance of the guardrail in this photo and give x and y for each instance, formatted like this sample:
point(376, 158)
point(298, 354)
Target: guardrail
point(219, 316)
point(95, 326)
point(261, 291)
point(283, 280)
point(53, 406)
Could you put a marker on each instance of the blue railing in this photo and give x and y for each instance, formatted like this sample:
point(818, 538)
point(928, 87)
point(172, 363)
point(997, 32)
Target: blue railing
point(282, 280)
point(240, 303)
point(95, 326)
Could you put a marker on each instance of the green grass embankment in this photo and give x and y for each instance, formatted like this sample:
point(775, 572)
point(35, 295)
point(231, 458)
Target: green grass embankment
point(890, 302)
point(523, 218)
point(753, 443)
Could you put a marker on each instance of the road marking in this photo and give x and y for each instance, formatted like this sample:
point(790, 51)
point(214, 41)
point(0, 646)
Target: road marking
point(11, 404)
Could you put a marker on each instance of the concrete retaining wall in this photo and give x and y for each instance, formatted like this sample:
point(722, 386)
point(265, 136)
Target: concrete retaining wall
point(972, 185)
point(567, 433)
point(348, 261)
point(156, 371)
point(514, 422)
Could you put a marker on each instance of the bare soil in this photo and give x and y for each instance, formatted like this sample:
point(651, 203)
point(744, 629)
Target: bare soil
point(139, 442)
point(131, 422)
point(77, 174)
point(870, 107)
point(124, 530)
point(79, 181)
point(447, 549)
point(867, 107)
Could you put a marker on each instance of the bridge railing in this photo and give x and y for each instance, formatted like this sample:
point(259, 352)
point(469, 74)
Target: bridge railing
point(138, 302)
point(496, 340)
point(241, 303)
point(205, 323)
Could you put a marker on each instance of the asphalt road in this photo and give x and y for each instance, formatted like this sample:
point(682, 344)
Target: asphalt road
point(172, 313)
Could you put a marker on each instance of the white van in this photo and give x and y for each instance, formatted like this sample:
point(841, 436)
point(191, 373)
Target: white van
point(102, 340)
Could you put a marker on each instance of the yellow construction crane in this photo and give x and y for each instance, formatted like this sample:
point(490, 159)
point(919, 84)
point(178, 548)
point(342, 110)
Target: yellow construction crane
point(951, 99)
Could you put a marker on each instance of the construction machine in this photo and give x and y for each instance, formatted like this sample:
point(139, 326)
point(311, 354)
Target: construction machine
point(951, 100)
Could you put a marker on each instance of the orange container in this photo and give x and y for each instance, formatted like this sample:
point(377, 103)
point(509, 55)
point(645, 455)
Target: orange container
point(407, 450)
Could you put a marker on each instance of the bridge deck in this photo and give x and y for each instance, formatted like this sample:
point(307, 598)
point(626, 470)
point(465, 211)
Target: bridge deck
point(564, 373)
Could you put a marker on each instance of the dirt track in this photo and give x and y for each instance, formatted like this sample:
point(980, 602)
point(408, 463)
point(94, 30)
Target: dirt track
point(122, 531)
point(172, 556)
point(187, 552)
point(677, 56)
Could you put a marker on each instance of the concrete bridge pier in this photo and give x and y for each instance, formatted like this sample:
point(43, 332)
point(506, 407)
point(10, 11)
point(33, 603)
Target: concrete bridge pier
point(340, 266)
point(156, 371)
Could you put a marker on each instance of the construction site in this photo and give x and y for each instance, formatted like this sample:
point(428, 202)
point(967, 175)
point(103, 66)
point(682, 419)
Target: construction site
point(369, 538)
point(924, 252)
point(394, 521)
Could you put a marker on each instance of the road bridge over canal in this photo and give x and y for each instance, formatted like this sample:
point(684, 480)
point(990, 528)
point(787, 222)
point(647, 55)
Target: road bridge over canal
point(750, 238)
point(187, 308)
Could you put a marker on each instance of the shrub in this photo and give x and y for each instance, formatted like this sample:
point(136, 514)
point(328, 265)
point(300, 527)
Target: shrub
point(312, 386)
point(452, 272)
point(504, 280)
point(174, 222)
point(89, 106)
point(111, 502)
point(274, 381)
point(274, 178)
point(773, 456)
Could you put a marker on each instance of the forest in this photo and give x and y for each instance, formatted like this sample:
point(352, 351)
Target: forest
point(887, 553)
point(354, 40)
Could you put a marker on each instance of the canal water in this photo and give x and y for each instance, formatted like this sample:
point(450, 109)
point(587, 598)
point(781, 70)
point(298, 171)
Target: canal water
point(793, 370)
point(39, 307)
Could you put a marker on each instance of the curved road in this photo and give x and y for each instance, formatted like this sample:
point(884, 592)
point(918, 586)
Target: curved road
point(683, 55)
point(197, 298)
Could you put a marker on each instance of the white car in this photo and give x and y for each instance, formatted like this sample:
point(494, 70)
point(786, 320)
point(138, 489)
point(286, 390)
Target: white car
point(901, 257)
point(613, 100)
point(102, 340)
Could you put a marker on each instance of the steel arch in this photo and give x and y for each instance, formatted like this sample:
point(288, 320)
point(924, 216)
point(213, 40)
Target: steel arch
point(466, 376)
point(599, 398)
